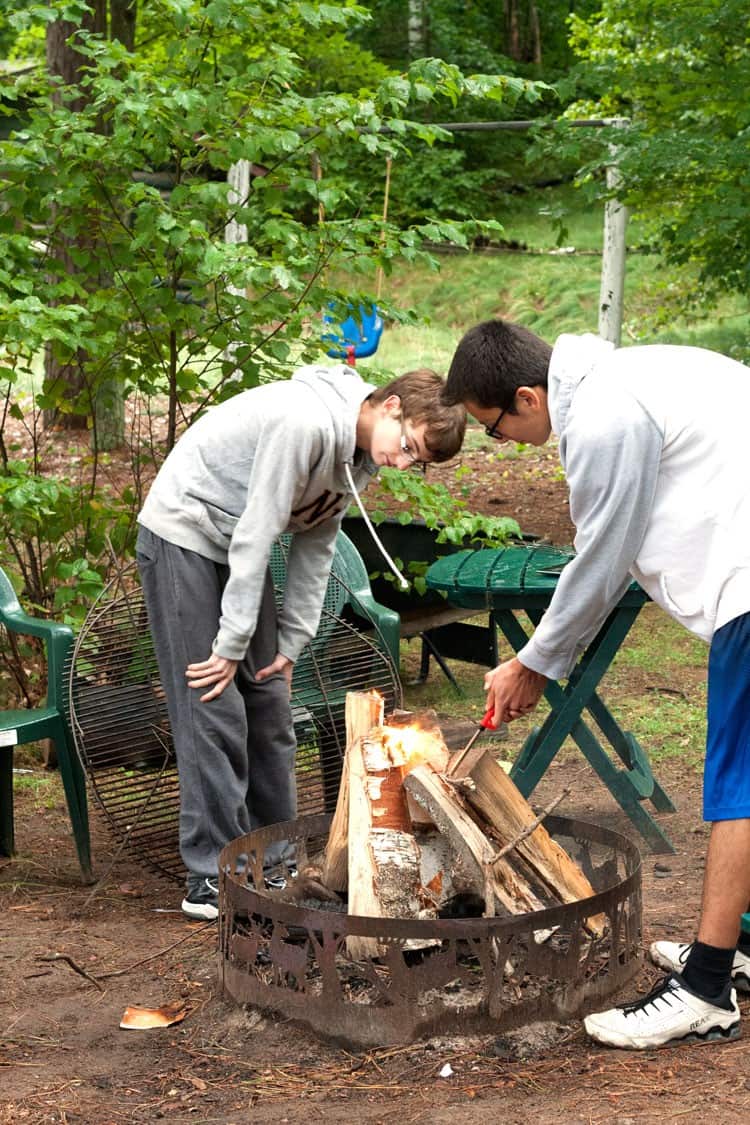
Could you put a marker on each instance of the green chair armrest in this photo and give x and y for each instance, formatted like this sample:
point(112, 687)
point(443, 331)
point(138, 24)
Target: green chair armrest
point(350, 567)
point(57, 638)
point(21, 622)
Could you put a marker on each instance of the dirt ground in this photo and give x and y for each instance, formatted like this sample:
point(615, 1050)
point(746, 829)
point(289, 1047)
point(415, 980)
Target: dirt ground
point(64, 1058)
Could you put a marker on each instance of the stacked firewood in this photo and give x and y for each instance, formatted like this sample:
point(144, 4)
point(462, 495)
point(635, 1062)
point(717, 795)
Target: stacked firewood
point(417, 828)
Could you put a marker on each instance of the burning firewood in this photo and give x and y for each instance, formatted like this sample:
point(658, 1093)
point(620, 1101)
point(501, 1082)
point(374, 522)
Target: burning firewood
point(415, 828)
point(384, 857)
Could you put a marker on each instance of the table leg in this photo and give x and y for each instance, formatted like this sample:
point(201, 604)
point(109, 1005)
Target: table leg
point(429, 648)
point(630, 751)
point(628, 786)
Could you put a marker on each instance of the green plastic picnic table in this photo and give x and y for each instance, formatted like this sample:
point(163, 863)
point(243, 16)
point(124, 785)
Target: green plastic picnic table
point(514, 579)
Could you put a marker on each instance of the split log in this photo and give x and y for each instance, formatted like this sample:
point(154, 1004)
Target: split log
point(501, 804)
point(384, 874)
point(494, 879)
point(364, 710)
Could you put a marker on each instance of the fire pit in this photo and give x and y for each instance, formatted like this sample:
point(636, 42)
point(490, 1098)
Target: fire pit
point(469, 975)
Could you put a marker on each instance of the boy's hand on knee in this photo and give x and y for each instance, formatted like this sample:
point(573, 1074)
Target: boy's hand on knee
point(281, 664)
point(217, 671)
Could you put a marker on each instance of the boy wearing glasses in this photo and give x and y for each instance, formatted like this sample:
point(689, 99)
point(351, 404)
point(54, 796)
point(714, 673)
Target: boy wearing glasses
point(659, 491)
point(282, 457)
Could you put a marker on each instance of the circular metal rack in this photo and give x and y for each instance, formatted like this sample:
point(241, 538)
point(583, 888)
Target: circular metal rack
point(118, 714)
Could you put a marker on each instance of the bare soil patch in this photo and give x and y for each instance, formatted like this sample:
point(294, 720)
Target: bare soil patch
point(63, 1057)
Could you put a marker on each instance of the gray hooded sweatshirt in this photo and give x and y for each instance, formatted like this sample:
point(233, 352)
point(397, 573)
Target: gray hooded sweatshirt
point(653, 441)
point(268, 461)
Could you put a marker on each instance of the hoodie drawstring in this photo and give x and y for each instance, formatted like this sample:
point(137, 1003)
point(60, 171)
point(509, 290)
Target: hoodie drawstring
point(391, 564)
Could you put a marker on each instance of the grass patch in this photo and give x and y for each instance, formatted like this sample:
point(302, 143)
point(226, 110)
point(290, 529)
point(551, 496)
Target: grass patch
point(668, 727)
point(41, 788)
point(549, 293)
point(659, 643)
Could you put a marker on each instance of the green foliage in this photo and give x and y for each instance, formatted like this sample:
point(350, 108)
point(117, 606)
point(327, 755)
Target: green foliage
point(51, 527)
point(480, 173)
point(114, 203)
point(678, 71)
point(478, 36)
point(156, 296)
point(13, 45)
point(442, 511)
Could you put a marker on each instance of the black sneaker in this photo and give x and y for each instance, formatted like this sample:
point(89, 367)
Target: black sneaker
point(201, 902)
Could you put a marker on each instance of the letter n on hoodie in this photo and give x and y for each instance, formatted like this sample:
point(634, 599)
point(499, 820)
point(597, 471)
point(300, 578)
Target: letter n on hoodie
point(319, 509)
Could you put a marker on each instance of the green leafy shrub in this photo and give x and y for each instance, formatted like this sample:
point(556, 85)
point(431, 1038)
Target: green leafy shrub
point(443, 512)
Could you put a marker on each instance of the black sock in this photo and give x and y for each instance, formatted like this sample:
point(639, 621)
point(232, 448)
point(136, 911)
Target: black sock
point(744, 942)
point(708, 969)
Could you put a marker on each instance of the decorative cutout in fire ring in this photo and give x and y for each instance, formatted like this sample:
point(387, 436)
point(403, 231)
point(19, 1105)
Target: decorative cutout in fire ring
point(468, 976)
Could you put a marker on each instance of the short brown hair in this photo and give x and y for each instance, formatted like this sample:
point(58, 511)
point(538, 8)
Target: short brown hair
point(421, 401)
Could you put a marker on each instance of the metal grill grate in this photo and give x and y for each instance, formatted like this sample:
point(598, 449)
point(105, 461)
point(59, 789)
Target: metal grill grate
point(118, 714)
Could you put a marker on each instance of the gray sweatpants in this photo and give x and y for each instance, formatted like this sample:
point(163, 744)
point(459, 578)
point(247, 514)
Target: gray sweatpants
point(235, 754)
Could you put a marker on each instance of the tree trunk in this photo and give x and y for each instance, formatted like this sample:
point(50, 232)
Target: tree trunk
point(65, 377)
point(64, 63)
point(536, 34)
point(513, 36)
point(122, 20)
point(416, 29)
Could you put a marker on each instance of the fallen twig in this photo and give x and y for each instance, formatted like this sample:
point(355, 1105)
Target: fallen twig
point(531, 826)
point(74, 966)
point(152, 956)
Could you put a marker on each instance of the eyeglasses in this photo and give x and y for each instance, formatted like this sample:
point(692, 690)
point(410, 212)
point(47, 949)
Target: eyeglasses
point(491, 431)
point(406, 449)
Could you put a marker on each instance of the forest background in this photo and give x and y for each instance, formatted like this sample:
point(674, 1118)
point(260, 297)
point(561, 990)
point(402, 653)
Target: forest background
point(125, 310)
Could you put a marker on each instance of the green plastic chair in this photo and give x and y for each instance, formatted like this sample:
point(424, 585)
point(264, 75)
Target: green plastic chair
point(349, 567)
point(49, 721)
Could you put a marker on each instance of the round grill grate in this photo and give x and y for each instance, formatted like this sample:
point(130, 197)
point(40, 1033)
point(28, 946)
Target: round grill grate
point(118, 713)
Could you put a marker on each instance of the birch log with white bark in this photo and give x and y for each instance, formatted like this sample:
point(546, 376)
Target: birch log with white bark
point(494, 879)
point(364, 710)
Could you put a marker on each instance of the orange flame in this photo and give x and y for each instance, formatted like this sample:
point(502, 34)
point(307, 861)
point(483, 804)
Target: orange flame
point(412, 745)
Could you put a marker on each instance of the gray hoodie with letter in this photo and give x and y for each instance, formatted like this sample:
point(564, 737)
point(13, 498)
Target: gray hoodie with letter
point(267, 461)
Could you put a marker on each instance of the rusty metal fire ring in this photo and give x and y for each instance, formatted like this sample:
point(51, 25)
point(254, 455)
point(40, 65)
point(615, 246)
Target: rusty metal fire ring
point(482, 975)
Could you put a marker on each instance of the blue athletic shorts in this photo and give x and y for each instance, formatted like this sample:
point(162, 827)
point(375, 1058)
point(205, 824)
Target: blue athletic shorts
point(726, 777)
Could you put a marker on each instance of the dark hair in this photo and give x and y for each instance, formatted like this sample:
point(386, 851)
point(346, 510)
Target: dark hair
point(421, 394)
point(492, 361)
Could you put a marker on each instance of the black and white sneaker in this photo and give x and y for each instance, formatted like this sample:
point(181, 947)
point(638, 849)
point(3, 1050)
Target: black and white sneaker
point(278, 881)
point(201, 902)
point(672, 955)
point(669, 1015)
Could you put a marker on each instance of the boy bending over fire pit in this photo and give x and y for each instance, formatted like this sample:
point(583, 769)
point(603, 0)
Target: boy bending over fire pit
point(653, 441)
point(282, 457)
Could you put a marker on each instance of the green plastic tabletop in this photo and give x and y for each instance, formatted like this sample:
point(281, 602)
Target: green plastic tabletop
point(505, 575)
